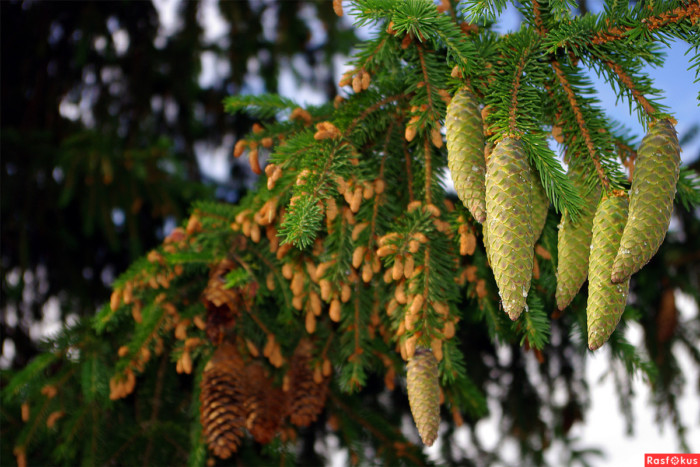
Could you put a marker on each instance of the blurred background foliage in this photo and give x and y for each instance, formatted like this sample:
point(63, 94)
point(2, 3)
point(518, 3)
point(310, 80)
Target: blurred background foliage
point(108, 111)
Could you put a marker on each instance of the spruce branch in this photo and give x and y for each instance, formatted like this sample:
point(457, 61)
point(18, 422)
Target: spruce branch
point(594, 151)
point(629, 83)
point(688, 11)
point(409, 172)
point(557, 185)
point(535, 329)
point(688, 189)
point(261, 106)
point(537, 15)
point(513, 113)
point(370, 110)
point(434, 114)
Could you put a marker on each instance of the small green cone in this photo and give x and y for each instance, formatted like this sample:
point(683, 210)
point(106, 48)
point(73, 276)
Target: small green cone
point(651, 199)
point(574, 243)
point(465, 151)
point(509, 223)
point(424, 394)
point(606, 301)
point(540, 207)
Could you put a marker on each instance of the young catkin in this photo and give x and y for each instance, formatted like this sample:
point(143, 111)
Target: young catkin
point(465, 151)
point(424, 393)
point(508, 224)
point(651, 199)
point(574, 243)
point(606, 300)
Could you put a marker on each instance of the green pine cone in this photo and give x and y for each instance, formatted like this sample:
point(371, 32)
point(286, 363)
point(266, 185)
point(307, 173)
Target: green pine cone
point(606, 301)
point(575, 242)
point(651, 199)
point(424, 394)
point(540, 207)
point(509, 193)
point(465, 151)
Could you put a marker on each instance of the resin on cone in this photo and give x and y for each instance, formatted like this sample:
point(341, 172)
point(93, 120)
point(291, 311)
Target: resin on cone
point(465, 151)
point(509, 223)
point(574, 245)
point(423, 389)
point(653, 189)
point(606, 300)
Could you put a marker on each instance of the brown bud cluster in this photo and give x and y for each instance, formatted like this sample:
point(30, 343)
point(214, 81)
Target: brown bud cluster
point(326, 130)
point(302, 115)
point(359, 79)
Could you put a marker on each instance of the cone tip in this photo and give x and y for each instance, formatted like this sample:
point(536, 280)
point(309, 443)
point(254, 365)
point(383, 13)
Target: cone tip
point(429, 437)
point(597, 337)
point(478, 211)
point(514, 314)
point(617, 276)
point(562, 302)
point(594, 346)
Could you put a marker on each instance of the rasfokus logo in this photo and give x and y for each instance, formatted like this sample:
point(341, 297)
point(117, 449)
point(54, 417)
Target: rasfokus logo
point(671, 459)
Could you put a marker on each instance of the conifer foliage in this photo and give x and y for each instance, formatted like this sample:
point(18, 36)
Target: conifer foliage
point(351, 261)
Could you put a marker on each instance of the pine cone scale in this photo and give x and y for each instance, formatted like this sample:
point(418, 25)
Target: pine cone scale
point(465, 152)
point(423, 389)
point(574, 242)
point(606, 300)
point(509, 223)
point(651, 199)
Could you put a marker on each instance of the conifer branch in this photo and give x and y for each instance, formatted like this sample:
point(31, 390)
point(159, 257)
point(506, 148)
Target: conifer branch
point(691, 12)
point(369, 110)
point(434, 114)
point(428, 171)
point(541, 30)
point(364, 60)
point(409, 174)
point(380, 177)
point(583, 128)
point(627, 81)
point(512, 124)
point(356, 327)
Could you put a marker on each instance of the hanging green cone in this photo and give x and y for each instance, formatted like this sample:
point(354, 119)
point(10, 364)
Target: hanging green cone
point(424, 394)
point(465, 151)
point(508, 223)
point(651, 199)
point(575, 241)
point(606, 301)
point(540, 207)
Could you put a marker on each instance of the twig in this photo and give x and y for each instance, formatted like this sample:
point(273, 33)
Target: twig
point(428, 171)
point(409, 175)
point(627, 81)
point(514, 97)
point(690, 11)
point(571, 95)
point(541, 30)
point(372, 108)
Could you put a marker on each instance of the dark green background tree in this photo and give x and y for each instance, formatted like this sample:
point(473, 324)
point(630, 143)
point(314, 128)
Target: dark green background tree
point(83, 198)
